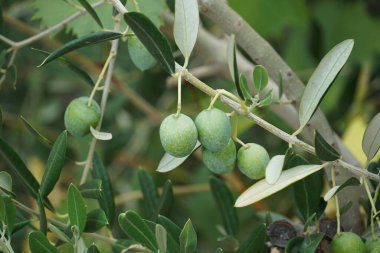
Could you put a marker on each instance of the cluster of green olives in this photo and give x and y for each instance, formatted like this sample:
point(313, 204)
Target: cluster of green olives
point(348, 242)
point(179, 135)
point(80, 117)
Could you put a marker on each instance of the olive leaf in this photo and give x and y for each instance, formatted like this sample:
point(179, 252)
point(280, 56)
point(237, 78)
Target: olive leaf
point(35, 132)
point(322, 78)
point(96, 219)
point(161, 238)
point(244, 87)
point(188, 238)
point(262, 189)
point(38, 243)
point(149, 191)
point(256, 242)
point(232, 64)
point(324, 150)
point(274, 169)
point(91, 189)
point(91, 11)
point(371, 138)
point(5, 182)
point(139, 55)
point(76, 208)
point(186, 24)
point(334, 190)
point(103, 136)
point(260, 78)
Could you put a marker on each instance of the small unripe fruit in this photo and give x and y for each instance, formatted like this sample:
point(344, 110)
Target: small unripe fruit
point(253, 160)
point(372, 244)
point(222, 161)
point(347, 242)
point(214, 129)
point(178, 135)
point(79, 117)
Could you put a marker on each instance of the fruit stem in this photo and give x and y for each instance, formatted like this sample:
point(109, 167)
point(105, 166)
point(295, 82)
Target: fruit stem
point(373, 207)
point(336, 201)
point(214, 99)
point(100, 78)
point(179, 94)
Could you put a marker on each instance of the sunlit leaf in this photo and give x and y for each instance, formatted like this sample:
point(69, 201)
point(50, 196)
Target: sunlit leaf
point(186, 24)
point(103, 136)
point(324, 150)
point(274, 169)
point(87, 40)
point(169, 162)
point(334, 190)
point(54, 165)
point(161, 238)
point(225, 202)
point(371, 138)
point(156, 43)
point(262, 189)
point(322, 78)
point(188, 238)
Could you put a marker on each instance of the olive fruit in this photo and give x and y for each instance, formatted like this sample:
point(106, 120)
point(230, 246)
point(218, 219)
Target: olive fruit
point(252, 160)
point(222, 161)
point(79, 117)
point(214, 129)
point(178, 135)
point(347, 242)
point(371, 244)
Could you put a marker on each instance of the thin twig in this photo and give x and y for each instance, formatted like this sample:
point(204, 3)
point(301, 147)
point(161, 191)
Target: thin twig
point(106, 90)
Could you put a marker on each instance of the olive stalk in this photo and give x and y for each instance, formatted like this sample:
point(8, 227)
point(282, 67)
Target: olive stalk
point(336, 201)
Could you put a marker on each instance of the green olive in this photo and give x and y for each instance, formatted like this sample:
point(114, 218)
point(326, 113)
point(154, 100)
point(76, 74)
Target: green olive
point(79, 117)
point(222, 161)
point(178, 135)
point(347, 242)
point(252, 160)
point(214, 129)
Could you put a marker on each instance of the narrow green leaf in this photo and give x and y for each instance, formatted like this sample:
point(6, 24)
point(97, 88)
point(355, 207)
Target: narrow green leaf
point(166, 199)
point(76, 208)
point(347, 206)
point(38, 243)
point(225, 202)
point(173, 232)
point(262, 189)
point(156, 43)
point(139, 55)
point(311, 242)
point(188, 238)
point(149, 191)
point(42, 215)
point(133, 225)
point(256, 242)
point(59, 233)
point(35, 132)
point(294, 245)
point(121, 245)
point(19, 168)
point(186, 24)
point(289, 154)
point(5, 182)
point(324, 150)
point(54, 165)
point(90, 39)
point(91, 11)
point(322, 78)
point(161, 238)
point(334, 190)
point(244, 87)
point(267, 100)
point(96, 219)
point(91, 189)
point(280, 85)
point(371, 138)
point(260, 78)
point(73, 67)
point(107, 202)
point(169, 162)
point(8, 213)
point(13, 75)
point(20, 225)
point(310, 220)
point(232, 64)
point(93, 249)
point(274, 169)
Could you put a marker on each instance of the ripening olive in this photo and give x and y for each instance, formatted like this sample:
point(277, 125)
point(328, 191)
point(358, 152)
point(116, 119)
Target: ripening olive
point(222, 161)
point(79, 117)
point(252, 160)
point(214, 129)
point(347, 242)
point(178, 135)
